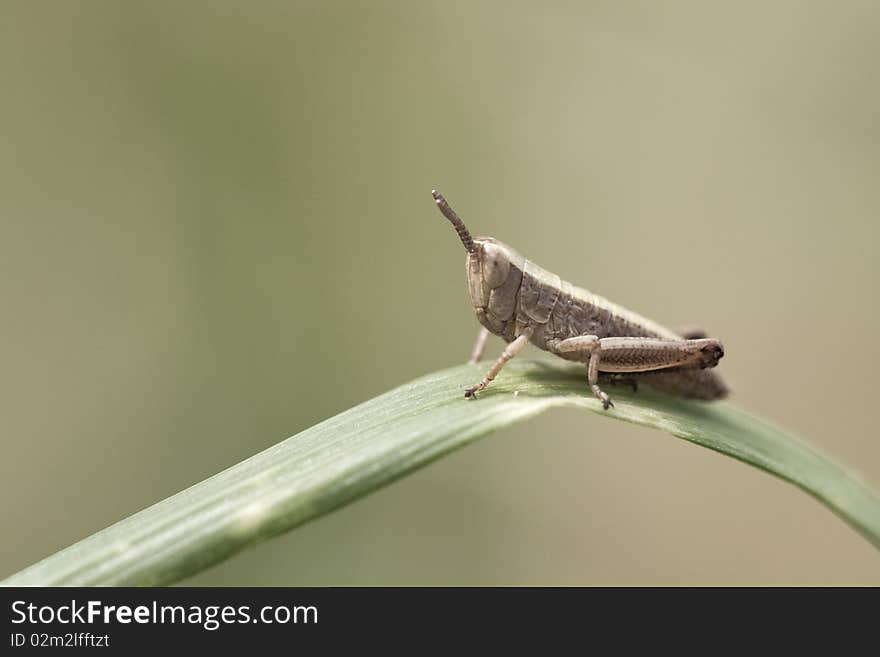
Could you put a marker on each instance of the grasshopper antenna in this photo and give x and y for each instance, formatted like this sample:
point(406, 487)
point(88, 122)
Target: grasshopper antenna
point(463, 233)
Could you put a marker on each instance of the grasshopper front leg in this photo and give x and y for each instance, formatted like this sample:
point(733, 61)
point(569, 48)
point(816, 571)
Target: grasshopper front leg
point(638, 355)
point(509, 352)
point(479, 346)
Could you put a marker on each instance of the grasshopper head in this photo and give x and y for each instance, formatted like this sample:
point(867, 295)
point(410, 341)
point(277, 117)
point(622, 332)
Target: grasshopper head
point(494, 271)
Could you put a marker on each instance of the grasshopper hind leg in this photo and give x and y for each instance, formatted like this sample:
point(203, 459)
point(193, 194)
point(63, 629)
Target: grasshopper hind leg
point(691, 332)
point(620, 379)
point(631, 355)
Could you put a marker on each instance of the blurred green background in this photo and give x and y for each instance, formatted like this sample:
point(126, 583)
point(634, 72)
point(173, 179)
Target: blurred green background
point(217, 230)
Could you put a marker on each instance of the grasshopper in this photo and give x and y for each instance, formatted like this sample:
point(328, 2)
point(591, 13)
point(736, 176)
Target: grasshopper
point(521, 302)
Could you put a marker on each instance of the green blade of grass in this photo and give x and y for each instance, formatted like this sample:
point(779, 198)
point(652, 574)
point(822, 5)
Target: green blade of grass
point(370, 445)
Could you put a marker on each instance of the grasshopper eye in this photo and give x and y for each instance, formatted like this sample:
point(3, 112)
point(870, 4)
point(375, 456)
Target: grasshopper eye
point(496, 265)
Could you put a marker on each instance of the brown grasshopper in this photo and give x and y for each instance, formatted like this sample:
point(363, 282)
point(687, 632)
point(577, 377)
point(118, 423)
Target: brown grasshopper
point(521, 302)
